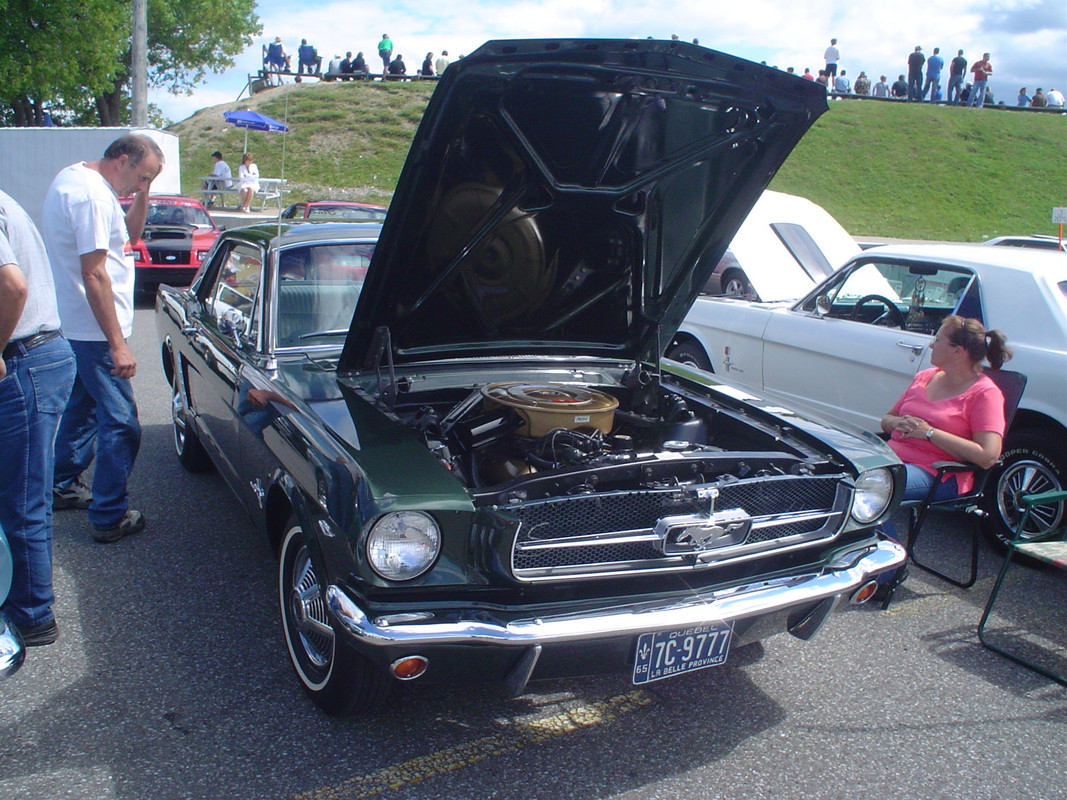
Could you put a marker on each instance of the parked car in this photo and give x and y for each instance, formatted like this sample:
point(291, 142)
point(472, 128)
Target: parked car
point(334, 211)
point(485, 472)
point(785, 246)
point(1036, 241)
point(178, 234)
point(12, 650)
point(852, 345)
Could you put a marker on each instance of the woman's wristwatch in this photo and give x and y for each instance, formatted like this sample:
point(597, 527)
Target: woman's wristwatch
point(929, 432)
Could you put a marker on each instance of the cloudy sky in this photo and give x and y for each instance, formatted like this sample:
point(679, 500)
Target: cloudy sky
point(1027, 38)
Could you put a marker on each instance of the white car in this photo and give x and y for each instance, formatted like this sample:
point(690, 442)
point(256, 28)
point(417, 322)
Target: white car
point(851, 346)
point(785, 246)
point(1036, 241)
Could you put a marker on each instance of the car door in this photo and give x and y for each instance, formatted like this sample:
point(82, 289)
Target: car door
point(852, 346)
point(227, 333)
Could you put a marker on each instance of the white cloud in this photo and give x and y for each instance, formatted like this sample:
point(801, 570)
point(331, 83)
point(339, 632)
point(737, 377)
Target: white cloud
point(1027, 38)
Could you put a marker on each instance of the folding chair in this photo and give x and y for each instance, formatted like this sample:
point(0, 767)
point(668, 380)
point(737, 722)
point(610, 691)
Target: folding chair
point(1049, 547)
point(1011, 385)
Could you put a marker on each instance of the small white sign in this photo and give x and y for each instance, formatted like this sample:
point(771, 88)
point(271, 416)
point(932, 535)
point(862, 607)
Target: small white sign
point(1060, 215)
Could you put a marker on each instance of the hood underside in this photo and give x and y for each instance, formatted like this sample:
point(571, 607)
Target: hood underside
point(558, 194)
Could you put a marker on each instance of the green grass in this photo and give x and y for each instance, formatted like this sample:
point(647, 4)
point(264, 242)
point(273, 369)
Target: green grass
point(898, 170)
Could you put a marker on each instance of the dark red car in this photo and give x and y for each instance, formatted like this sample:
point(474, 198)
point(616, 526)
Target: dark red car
point(334, 211)
point(178, 235)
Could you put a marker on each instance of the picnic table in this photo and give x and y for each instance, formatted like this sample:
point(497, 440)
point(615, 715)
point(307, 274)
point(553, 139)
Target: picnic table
point(215, 195)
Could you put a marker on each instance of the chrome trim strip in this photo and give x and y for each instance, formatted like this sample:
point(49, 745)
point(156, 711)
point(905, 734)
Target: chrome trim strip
point(722, 605)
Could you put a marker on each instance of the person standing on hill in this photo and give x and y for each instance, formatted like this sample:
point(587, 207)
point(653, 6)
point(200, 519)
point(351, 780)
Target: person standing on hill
point(832, 56)
point(934, 65)
point(385, 52)
point(915, 74)
point(957, 69)
point(981, 70)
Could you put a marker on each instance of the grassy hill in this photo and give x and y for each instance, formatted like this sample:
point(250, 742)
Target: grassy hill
point(883, 169)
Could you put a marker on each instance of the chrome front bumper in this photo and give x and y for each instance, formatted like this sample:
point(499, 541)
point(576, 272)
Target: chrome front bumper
point(841, 578)
point(12, 651)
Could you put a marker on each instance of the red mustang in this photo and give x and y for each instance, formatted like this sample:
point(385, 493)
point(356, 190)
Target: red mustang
point(178, 235)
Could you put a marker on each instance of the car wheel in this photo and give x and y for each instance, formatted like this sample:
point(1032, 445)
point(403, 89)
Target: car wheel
point(1030, 464)
point(691, 354)
point(339, 680)
point(190, 452)
point(735, 283)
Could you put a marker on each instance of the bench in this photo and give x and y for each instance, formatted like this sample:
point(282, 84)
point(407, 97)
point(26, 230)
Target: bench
point(1044, 541)
point(269, 189)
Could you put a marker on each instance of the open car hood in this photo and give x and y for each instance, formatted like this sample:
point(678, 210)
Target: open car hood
point(558, 193)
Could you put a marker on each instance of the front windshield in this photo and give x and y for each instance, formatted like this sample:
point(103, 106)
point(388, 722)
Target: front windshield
point(318, 286)
point(174, 214)
point(915, 297)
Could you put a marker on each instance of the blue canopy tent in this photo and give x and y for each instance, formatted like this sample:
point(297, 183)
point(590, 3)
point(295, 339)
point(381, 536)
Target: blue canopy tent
point(254, 121)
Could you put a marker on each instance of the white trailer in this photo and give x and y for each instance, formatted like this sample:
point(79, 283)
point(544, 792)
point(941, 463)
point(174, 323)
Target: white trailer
point(31, 157)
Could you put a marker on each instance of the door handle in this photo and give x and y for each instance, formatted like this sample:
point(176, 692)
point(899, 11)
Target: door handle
point(916, 349)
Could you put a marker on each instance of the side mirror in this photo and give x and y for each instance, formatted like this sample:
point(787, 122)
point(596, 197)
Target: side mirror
point(823, 306)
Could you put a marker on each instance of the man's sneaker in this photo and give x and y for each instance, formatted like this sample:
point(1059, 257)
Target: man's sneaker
point(132, 522)
point(77, 495)
point(37, 635)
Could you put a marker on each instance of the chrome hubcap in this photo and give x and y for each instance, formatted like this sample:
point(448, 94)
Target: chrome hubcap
point(308, 612)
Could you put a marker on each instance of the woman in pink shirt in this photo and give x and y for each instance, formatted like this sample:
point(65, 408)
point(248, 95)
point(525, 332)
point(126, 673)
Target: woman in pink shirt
point(951, 412)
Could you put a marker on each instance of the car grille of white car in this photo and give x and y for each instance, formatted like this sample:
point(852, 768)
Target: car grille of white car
point(620, 533)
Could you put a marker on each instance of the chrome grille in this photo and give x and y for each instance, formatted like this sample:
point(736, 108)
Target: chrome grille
point(614, 533)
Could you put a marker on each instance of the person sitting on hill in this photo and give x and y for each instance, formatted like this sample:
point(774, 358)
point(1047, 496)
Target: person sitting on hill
point(427, 66)
point(842, 85)
point(276, 59)
point(1038, 100)
point(1055, 98)
point(359, 64)
point(899, 89)
point(397, 66)
point(862, 86)
point(881, 89)
point(308, 57)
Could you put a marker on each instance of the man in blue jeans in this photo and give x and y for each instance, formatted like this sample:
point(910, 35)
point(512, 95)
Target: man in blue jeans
point(88, 239)
point(36, 375)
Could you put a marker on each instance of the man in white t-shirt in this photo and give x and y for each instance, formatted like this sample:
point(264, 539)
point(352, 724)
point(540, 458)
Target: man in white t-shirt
point(221, 178)
point(88, 240)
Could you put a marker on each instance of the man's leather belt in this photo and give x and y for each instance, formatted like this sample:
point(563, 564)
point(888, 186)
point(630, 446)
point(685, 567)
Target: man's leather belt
point(19, 347)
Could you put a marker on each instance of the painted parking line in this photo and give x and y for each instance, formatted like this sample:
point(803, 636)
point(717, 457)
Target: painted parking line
point(517, 735)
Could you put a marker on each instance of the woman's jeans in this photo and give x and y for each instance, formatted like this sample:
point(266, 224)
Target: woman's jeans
point(100, 417)
point(918, 484)
point(32, 399)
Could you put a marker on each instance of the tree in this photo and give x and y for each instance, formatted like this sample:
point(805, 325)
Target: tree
point(76, 56)
point(52, 51)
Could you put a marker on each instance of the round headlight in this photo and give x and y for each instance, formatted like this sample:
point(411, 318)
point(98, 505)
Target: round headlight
point(402, 545)
point(874, 490)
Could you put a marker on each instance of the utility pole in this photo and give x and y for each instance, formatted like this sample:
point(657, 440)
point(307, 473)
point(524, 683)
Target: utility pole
point(139, 65)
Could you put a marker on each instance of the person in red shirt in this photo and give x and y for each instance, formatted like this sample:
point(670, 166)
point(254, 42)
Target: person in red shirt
point(981, 71)
point(951, 412)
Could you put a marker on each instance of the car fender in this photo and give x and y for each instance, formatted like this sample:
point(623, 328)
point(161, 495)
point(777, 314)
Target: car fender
point(731, 333)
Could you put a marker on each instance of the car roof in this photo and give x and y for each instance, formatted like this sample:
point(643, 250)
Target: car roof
point(284, 234)
point(978, 256)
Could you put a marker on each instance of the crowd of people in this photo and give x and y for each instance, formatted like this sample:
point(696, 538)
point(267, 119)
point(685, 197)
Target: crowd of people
point(924, 81)
point(276, 59)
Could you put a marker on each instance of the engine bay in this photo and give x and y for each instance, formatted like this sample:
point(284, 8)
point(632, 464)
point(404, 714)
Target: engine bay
point(512, 442)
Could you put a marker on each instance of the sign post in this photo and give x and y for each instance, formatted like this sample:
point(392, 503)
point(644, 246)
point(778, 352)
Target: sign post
point(1059, 216)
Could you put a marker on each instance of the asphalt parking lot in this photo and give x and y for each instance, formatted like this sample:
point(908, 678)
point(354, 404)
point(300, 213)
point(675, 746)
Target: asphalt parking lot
point(170, 680)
